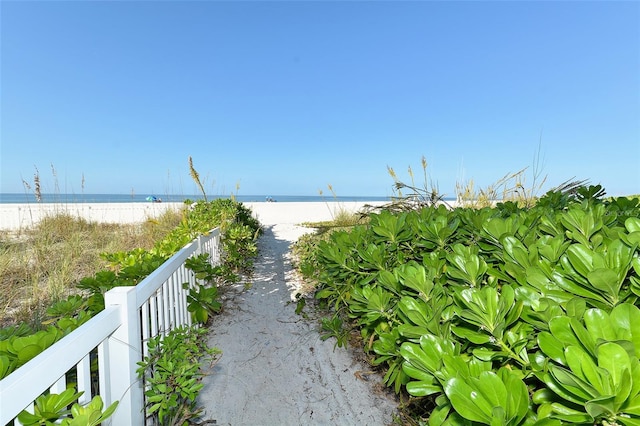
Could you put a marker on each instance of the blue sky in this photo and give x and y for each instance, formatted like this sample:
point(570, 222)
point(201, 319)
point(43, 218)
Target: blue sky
point(287, 97)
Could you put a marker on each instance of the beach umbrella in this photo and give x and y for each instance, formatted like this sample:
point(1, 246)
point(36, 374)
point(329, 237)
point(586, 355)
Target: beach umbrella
point(151, 198)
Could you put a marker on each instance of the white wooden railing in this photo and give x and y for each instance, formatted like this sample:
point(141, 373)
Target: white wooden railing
point(115, 339)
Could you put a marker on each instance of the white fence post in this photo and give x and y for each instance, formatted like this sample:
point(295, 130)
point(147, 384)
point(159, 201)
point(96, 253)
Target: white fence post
point(125, 350)
point(200, 245)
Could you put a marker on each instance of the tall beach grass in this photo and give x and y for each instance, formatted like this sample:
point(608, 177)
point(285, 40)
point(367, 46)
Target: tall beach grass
point(41, 265)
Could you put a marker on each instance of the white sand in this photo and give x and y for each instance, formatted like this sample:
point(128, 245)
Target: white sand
point(275, 369)
point(21, 216)
point(295, 213)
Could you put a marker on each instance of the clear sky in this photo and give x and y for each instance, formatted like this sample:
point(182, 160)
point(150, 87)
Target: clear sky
point(287, 97)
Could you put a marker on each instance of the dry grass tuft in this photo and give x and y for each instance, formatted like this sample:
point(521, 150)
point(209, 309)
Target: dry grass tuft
point(41, 265)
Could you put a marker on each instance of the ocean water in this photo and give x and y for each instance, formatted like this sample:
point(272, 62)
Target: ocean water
point(13, 198)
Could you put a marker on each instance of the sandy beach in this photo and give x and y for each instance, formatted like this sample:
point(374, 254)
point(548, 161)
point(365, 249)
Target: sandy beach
point(21, 216)
point(299, 212)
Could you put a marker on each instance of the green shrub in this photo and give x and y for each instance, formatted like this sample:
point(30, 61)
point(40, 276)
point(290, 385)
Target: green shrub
point(172, 373)
point(474, 310)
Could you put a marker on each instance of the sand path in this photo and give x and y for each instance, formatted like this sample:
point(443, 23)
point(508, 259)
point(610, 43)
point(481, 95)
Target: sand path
point(275, 369)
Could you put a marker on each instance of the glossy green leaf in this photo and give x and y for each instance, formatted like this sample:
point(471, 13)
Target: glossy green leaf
point(581, 224)
point(632, 224)
point(539, 280)
point(548, 422)
point(569, 285)
point(629, 421)
point(625, 319)
point(575, 307)
point(552, 347)
point(599, 324)
point(416, 310)
point(542, 396)
point(560, 327)
point(613, 358)
point(571, 387)
point(467, 401)
point(416, 278)
point(632, 406)
point(602, 406)
point(428, 354)
point(6, 366)
point(419, 373)
point(618, 258)
point(529, 297)
point(498, 417)
point(439, 414)
point(517, 252)
point(491, 387)
point(581, 258)
point(488, 355)
point(583, 336)
point(552, 248)
point(28, 352)
point(412, 331)
point(465, 265)
point(570, 416)
point(422, 388)
point(605, 280)
point(517, 396)
point(582, 364)
point(479, 338)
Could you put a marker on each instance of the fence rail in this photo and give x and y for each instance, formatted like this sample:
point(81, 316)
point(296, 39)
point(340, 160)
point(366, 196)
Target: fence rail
point(114, 341)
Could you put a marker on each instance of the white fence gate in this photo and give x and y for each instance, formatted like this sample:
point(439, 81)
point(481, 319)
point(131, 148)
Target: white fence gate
point(115, 339)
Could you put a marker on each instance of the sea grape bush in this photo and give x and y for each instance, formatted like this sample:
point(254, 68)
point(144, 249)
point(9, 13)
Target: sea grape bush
point(502, 316)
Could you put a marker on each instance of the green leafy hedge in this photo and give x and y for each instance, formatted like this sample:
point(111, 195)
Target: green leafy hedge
point(500, 316)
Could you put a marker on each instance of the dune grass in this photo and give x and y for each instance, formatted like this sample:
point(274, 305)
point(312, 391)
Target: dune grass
point(42, 264)
point(341, 218)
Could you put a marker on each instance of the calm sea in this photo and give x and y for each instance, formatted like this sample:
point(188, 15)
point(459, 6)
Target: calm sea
point(13, 198)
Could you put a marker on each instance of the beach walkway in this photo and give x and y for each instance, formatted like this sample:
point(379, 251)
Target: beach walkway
point(275, 369)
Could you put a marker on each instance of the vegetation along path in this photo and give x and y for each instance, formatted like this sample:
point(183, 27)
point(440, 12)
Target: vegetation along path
point(275, 369)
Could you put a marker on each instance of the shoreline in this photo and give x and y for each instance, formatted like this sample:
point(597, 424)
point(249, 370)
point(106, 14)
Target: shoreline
point(15, 217)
